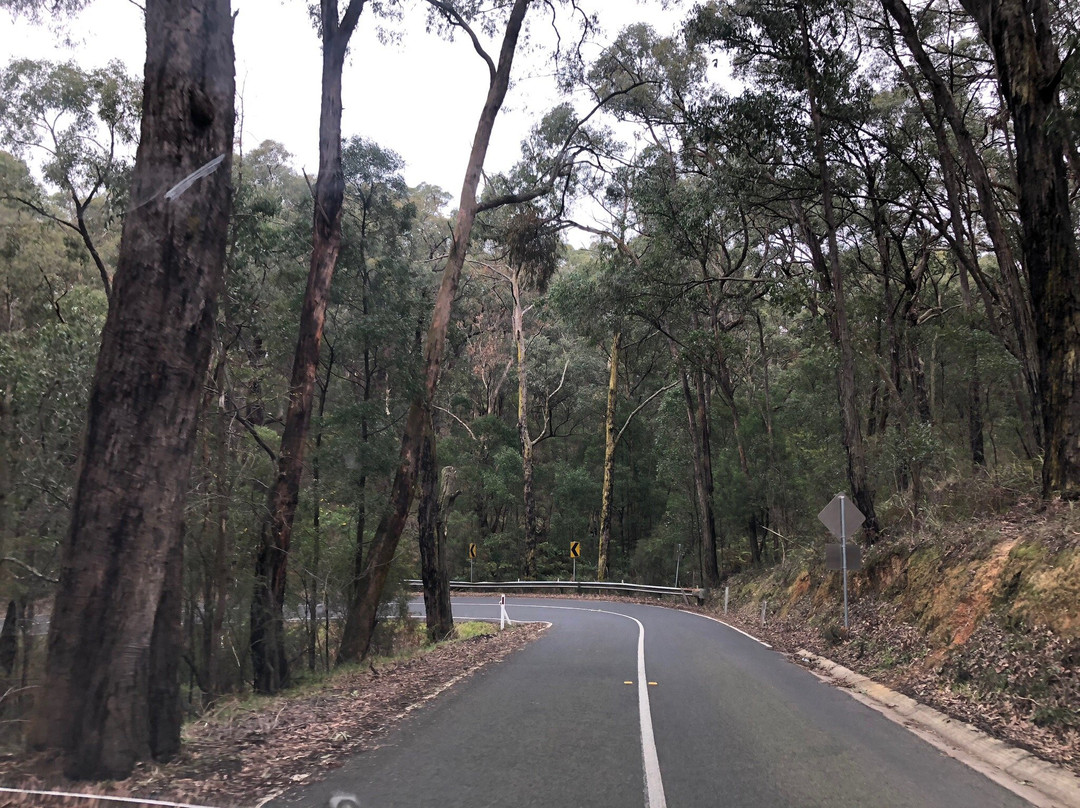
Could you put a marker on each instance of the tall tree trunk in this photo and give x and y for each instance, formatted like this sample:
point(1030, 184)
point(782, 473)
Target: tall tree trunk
point(313, 575)
point(1020, 305)
point(833, 278)
point(166, 645)
point(439, 616)
point(1029, 71)
point(360, 622)
point(131, 487)
point(268, 653)
point(221, 571)
point(9, 639)
point(697, 416)
point(607, 493)
point(532, 530)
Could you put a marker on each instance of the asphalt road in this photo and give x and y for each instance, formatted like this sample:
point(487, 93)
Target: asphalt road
point(568, 722)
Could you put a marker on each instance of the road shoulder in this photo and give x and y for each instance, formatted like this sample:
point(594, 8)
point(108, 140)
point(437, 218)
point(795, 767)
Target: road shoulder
point(1043, 784)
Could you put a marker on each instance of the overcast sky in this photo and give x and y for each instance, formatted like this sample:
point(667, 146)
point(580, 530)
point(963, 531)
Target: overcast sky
point(420, 98)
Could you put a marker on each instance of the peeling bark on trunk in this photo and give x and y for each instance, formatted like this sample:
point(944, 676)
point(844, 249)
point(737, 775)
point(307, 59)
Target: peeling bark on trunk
point(268, 653)
point(360, 622)
point(125, 532)
point(607, 493)
point(532, 530)
point(1029, 71)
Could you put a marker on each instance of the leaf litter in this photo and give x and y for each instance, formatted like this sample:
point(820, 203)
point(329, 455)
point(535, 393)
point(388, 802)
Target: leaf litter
point(247, 755)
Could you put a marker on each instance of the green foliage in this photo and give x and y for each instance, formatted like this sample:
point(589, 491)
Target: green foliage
point(81, 121)
point(473, 628)
point(711, 208)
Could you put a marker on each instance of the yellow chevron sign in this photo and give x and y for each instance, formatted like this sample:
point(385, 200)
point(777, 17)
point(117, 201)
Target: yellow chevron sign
point(575, 549)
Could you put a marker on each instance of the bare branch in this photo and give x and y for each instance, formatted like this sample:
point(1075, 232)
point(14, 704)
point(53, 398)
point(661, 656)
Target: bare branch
point(251, 429)
point(28, 568)
point(454, 18)
point(547, 406)
point(452, 415)
point(640, 407)
point(561, 166)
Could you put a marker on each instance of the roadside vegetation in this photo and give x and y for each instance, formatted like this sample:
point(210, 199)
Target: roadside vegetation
point(245, 749)
point(973, 609)
point(784, 250)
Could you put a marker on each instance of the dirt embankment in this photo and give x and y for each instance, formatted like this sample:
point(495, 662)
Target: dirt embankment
point(980, 620)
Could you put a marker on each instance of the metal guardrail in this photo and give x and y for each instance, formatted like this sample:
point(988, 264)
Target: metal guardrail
point(577, 586)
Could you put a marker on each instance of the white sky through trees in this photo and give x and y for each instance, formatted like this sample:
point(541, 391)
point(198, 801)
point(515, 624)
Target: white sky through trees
point(419, 97)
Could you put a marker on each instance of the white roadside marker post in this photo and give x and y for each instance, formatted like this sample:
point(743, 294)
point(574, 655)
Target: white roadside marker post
point(503, 618)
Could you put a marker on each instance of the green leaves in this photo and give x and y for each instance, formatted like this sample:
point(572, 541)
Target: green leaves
point(79, 123)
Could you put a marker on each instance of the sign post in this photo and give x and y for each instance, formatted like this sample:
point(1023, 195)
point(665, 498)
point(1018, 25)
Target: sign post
point(841, 518)
point(678, 558)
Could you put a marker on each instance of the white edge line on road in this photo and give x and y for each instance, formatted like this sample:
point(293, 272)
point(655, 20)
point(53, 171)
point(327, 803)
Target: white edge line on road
point(105, 797)
point(654, 783)
point(721, 622)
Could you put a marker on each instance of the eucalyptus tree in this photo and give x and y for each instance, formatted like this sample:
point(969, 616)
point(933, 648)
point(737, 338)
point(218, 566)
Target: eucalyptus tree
point(377, 315)
point(1031, 43)
point(526, 257)
point(798, 61)
point(81, 125)
point(466, 18)
point(964, 160)
point(113, 651)
point(362, 614)
point(269, 659)
point(595, 300)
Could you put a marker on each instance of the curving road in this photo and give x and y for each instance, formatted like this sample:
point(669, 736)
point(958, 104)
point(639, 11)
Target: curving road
point(718, 720)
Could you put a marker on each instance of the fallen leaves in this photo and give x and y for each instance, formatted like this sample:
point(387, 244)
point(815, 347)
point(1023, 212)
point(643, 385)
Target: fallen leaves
point(245, 757)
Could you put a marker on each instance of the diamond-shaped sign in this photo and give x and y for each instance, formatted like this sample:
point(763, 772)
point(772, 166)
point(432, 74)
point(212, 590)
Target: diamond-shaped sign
point(841, 517)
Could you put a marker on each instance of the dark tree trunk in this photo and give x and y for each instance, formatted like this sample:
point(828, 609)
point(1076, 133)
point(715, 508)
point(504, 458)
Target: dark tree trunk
point(832, 277)
point(697, 415)
point(1029, 71)
point(166, 645)
point(440, 618)
point(268, 653)
point(1020, 305)
point(532, 528)
point(9, 639)
point(129, 496)
point(360, 622)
